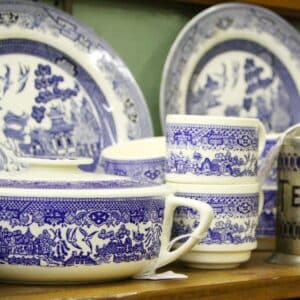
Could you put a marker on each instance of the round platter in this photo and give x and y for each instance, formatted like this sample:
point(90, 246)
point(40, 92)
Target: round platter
point(63, 91)
point(234, 60)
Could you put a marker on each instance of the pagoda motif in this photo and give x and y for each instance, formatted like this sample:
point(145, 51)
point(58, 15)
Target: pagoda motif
point(60, 133)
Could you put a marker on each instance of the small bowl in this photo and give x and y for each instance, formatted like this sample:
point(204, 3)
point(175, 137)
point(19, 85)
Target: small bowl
point(143, 160)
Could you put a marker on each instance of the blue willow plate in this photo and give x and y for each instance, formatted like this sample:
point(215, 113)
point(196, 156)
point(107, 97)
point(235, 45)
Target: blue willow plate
point(235, 60)
point(63, 91)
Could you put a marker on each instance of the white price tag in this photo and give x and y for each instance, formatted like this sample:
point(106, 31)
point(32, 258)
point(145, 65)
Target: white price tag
point(170, 275)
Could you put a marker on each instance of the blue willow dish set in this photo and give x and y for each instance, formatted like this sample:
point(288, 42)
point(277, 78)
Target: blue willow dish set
point(71, 111)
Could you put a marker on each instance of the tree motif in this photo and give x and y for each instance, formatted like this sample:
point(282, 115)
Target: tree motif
point(48, 88)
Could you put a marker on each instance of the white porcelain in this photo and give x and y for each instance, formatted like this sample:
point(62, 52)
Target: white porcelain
point(206, 149)
point(59, 224)
point(234, 59)
point(142, 159)
point(231, 236)
point(64, 91)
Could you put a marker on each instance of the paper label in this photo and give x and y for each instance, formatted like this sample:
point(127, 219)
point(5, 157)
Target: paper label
point(168, 275)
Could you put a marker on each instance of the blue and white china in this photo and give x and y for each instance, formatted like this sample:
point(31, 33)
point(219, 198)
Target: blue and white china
point(231, 236)
point(265, 230)
point(63, 91)
point(142, 160)
point(234, 60)
point(271, 140)
point(59, 224)
point(206, 149)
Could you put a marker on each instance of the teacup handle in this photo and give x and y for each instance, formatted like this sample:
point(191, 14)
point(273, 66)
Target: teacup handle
point(206, 216)
point(261, 201)
point(261, 137)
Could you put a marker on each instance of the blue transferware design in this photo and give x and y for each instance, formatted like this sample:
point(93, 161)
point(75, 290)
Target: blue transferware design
point(271, 180)
point(235, 218)
point(61, 120)
point(66, 112)
point(61, 232)
point(237, 76)
point(267, 220)
point(148, 170)
point(100, 184)
point(288, 161)
point(236, 156)
point(8, 160)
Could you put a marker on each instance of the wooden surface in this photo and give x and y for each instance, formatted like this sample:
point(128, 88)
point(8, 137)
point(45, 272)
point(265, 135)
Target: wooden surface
point(253, 279)
point(284, 7)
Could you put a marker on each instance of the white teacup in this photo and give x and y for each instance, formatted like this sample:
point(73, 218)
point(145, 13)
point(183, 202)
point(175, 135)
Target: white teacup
point(206, 149)
point(231, 236)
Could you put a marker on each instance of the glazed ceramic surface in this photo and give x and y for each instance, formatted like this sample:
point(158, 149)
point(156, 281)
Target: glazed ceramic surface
point(63, 91)
point(234, 60)
point(267, 220)
point(206, 149)
point(142, 160)
point(271, 140)
point(288, 212)
point(59, 224)
point(231, 237)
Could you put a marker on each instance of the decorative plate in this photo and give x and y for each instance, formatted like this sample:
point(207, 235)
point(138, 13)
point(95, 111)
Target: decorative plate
point(235, 60)
point(63, 91)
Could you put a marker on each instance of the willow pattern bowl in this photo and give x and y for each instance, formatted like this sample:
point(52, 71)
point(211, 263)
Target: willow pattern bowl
point(143, 160)
point(59, 224)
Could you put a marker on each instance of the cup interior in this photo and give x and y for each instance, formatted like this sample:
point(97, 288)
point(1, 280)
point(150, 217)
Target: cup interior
point(147, 148)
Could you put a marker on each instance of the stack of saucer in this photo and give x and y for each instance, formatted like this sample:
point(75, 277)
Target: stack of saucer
point(214, 160)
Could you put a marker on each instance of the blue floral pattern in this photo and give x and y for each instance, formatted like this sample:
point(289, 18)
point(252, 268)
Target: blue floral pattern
point(235, 218)
point(151, 170)
point(234, 150)
point(69, 232)
point(100, 184)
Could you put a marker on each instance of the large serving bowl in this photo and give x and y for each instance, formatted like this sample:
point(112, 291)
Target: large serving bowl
point(58, 224)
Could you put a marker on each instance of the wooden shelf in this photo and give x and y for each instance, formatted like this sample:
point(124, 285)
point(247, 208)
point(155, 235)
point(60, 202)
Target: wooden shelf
point(284, 7)
point(253, 279)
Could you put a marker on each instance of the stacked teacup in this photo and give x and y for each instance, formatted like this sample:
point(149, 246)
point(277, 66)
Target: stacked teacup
point(214, 159)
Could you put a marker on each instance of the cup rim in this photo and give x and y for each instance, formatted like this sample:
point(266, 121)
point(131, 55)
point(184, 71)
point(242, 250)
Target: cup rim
point(55, 162)
point(273, 136)
point(203, 119)
point(136, 150)
point(141, 192)
point(215, 188)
